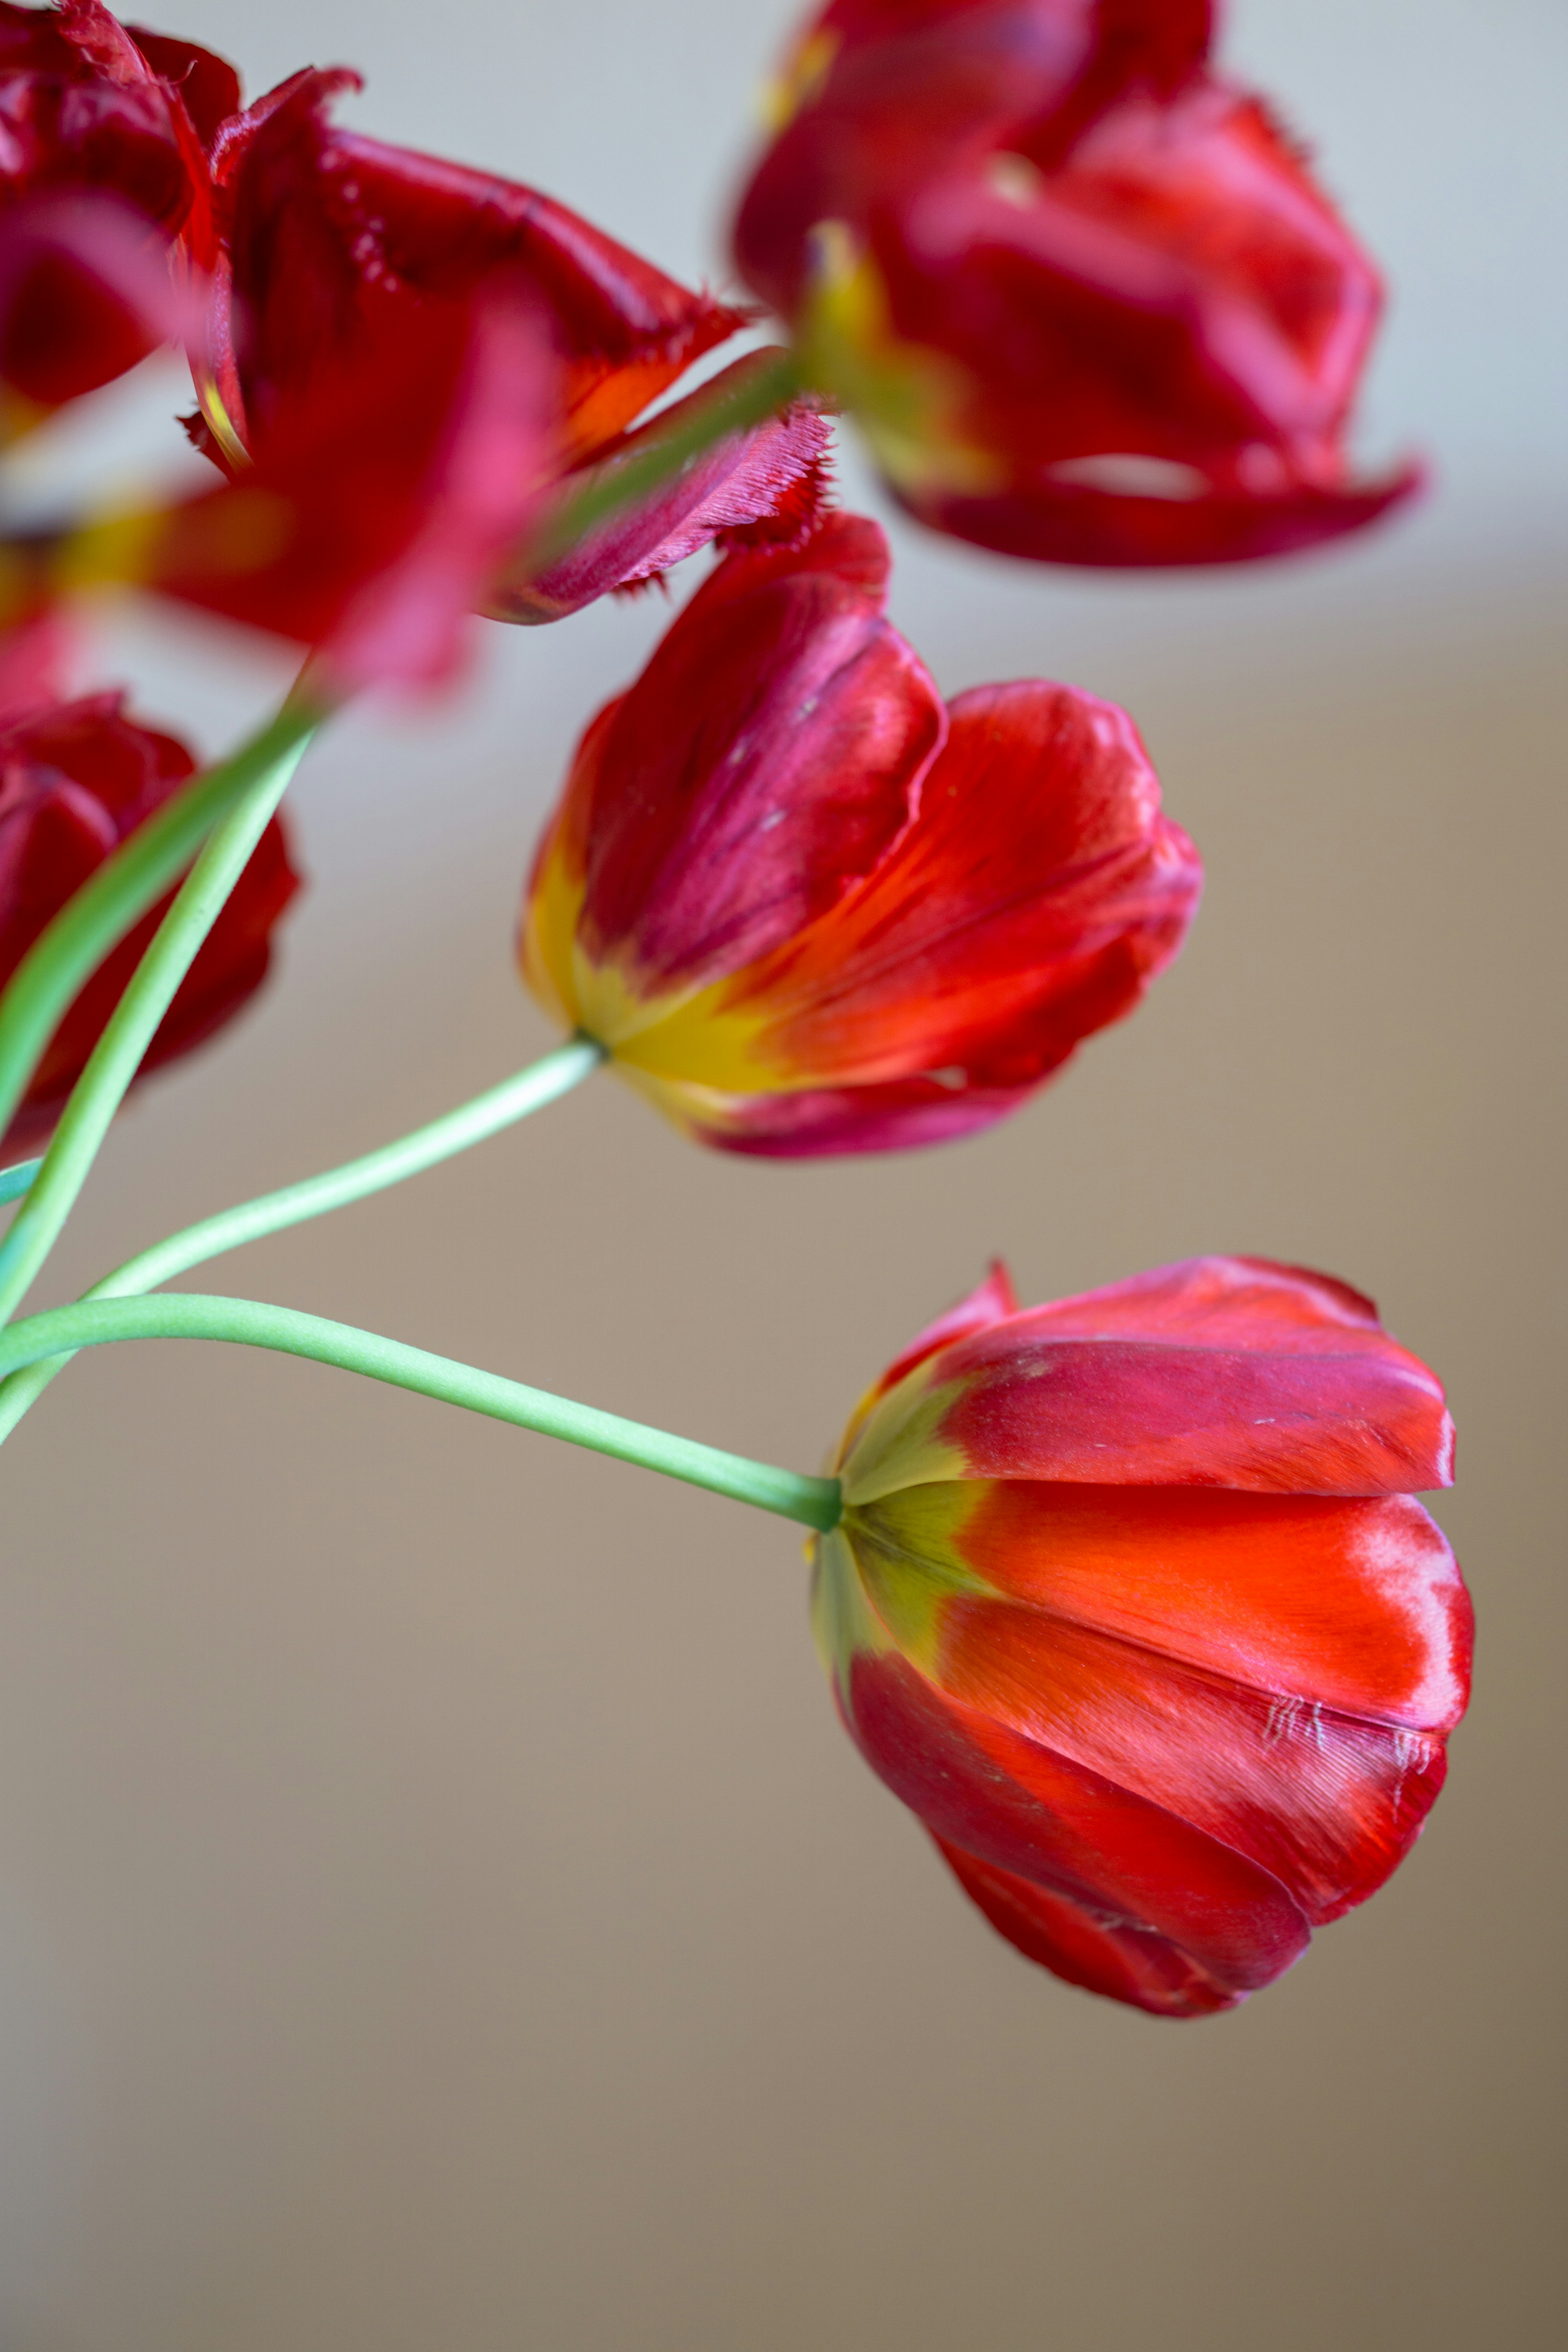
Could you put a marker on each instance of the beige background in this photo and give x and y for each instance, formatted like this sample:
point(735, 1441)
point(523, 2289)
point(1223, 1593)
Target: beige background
point(438, 1907)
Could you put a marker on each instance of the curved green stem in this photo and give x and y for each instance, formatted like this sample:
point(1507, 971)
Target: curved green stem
point(47, 979)
point(255, 782)
point(499, 1106)
point(14, 1181)
point(814, 1502)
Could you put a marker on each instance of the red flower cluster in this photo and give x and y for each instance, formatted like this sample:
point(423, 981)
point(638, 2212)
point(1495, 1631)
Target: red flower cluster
point(1081, 290)
point(76, 778)
point(1129, 1600)
point(402, 364)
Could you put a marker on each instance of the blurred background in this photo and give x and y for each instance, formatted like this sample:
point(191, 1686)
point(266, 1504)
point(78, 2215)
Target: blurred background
point(438, 1906)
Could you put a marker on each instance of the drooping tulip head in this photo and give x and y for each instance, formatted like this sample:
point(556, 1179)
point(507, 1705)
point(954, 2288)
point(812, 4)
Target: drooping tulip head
point(1132, 1603)
point(808, 907)
point(76, 778)
point(1083, 294)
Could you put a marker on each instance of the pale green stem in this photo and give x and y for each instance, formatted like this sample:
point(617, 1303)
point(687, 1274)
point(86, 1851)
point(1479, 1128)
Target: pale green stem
point(182, 1315)
point(118, 1056)
point(14, 1181)
point(49, 977)
point(473, 1122)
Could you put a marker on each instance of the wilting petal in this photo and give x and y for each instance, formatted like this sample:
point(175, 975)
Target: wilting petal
point(766, 481)
point(1036, 894)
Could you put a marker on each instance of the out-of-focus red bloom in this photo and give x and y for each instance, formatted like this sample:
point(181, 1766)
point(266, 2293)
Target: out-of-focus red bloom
point(92, 109)
point(807, 908)
point(1083, 293)
point(1132, 1602)
point(375, 517)
point(76, 779)
point(335, 243)
point(379, 510)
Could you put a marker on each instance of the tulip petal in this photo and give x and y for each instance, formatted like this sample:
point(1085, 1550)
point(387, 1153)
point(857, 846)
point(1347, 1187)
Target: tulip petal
point(382, 509)
point(1007, 1803)
point(1117, 1958)
point(776, 467)
point(763, 763)
point(1327, 1800)
point(332, 231)
point(1038, 893)
point(1219, 1372)
point(1072, 522)
point(1352, 1604)
point(990, 1302)
point(85, 294)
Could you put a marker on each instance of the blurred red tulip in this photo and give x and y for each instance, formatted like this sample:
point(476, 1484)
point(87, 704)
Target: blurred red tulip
point(76, 780)
point(807, 908)
point(1132, 1602)
point(94, 110)
point(335, 243)
point(1083, 294)
point(378, 511)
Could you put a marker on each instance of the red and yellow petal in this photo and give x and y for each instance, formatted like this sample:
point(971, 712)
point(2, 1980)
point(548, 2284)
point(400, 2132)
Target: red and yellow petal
point(762, 764)
point(1322, 1798)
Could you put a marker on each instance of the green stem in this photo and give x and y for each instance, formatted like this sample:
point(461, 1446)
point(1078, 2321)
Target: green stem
point(814, 1502)
point(255, 782)
point(622, 482)
point(473, 1122)
point(49, 977)
point(14, 1181)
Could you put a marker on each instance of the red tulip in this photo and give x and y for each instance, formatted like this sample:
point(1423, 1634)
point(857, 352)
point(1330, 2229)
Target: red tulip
point(335, 243)
point(809, 909)
point(1132, 1603)
point(76, 779)
point(1083, 294)
point(375, 517)
point(378, 512)
point(94, 110)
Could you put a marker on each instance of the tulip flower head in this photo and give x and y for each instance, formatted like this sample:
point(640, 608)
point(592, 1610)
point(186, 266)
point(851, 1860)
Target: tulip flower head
point(808, 907)
point(103, 179)
point(76, 778)
point(335, 243)
point(1082, 293)
point(1132, 1602)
